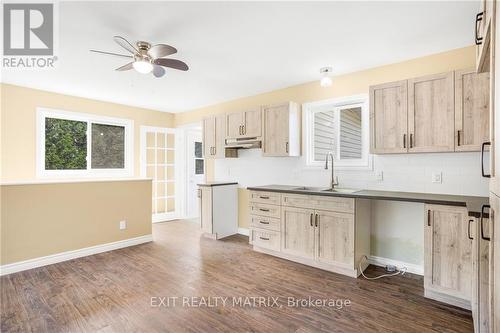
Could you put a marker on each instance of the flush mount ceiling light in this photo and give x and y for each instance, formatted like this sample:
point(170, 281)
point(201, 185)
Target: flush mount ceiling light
point(326, 81)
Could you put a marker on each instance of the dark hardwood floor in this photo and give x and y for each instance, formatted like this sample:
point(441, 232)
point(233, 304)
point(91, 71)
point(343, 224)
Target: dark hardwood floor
point(120, 291)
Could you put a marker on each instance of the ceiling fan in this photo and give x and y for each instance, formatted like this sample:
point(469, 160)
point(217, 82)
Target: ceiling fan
point(147, 58)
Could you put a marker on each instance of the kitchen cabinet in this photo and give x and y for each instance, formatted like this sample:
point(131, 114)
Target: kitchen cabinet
point(281, 130)
point(214, 138)
point(494, 161)
point(330, 233)
point(218, 204)
point(493, 233)
point(431, 113)
point(447, 255)
point(244, 124)
point(483, 35)
point(472, 110)
point(388, 118)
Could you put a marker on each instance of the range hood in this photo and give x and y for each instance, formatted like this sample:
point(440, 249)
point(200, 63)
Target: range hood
point(244, 143)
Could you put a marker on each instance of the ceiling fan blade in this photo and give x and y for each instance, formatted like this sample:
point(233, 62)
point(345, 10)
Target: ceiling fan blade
point(172, 63)
point(161, 50)
point(125, 44)
point(158, 71)
point(125, 67)
point(111, 53)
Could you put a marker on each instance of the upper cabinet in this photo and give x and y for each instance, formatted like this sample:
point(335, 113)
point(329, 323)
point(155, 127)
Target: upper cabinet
point(435, 113)
point(389, 123)
point(244, 124)
point(472, 110)
point(431, 113)
point(281, 130)
point(213, 138)
point(483, 35)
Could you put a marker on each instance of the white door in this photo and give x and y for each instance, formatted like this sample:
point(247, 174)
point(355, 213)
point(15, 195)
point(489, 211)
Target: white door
point(195, 171)
point(158, 161)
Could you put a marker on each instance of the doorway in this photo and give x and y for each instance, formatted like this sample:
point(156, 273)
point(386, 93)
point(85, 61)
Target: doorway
point(195, 170)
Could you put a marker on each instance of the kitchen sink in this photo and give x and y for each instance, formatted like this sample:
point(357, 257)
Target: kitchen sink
point(341, 190)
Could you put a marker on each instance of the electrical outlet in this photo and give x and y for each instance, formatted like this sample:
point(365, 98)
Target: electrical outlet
point(380, 176)
point(437, 177)
point(123, 225)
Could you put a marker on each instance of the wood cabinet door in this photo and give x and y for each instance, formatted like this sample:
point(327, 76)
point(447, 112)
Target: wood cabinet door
point(206, 209)
point(208, 137)
point(297, 232)
point(276, 130)
point(431, 120)
point(485, 31)
point(388, 118)
point(472, 110)
point(494, 233)
point(447, 251)
point(220, 136)
point(495, 117)
point(234, 125)
point(335, 238)
point(253, 123)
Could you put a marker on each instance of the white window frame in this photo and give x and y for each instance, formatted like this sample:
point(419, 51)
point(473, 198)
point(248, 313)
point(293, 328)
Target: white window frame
point(127, 171)
point(308, 112)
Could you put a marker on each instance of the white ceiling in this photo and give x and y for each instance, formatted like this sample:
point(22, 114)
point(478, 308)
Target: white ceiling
point(240, 49)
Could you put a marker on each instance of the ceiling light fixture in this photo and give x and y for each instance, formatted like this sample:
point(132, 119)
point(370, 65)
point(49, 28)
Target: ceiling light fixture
point(143, 66)
point(326, 81)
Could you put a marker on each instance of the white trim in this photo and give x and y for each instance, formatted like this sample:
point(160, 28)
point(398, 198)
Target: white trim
point(308, 110)
point(244, 231)
point(410, 268)
point(70, 181)
point(68, 255)
point(128, 124)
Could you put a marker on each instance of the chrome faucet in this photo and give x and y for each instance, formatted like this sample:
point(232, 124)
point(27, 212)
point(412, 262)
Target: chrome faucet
point(333, 182)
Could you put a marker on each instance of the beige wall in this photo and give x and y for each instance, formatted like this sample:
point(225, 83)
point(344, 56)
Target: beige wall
point(43, 219)
point(18, 125)
point(343, 85)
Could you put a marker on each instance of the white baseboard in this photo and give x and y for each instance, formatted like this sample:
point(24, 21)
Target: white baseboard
point(68, 255)
point(244, 231)
point(410, 268)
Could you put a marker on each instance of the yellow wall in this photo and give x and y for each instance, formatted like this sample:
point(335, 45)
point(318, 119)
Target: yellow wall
point(343, 85)
point(18, 125)
point(44, 219)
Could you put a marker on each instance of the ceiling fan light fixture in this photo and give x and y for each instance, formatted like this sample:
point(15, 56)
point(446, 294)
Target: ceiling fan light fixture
point(326, 80)
point(143, 66)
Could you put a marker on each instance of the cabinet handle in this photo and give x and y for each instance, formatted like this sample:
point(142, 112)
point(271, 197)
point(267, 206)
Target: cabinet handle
point(316, 221)
point(244, 129)
point(468, 229)
point(483, 145)
point(411, 140)
point(215, 150)
point(479, 18)
point(458, 138)
point(311, 219)
point(286, 147)
point(264, 209)
point(263, 222)
point(404, 140)
point(264, 238)
point(481, 222)
point(263, 197)
point(428, 217)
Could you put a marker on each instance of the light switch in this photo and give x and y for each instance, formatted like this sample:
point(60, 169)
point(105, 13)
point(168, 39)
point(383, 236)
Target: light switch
point(123, 225)
point(437, 177)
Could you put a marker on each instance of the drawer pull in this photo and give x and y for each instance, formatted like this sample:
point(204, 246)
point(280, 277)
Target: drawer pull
point(263, 222)
point(316, 221)
point(311, 219)
point(264, 238)
point(264, 209)
point(481, 222)
point(468, 229)
point(478, 39)
point(263, 197)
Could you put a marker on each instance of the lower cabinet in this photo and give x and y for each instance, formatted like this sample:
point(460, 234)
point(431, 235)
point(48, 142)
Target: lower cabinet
point(330, 233)
point(448, 255)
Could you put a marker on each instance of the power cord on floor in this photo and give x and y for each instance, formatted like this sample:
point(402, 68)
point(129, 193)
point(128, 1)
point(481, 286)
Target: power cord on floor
point(399, 271)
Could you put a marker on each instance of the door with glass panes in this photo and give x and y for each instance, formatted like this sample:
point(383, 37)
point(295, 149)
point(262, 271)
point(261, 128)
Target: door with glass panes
point(158, 163)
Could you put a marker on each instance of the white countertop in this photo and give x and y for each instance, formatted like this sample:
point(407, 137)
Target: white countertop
point(68, 181)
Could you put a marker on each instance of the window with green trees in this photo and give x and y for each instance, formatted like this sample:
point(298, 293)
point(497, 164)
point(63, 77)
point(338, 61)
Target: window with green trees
point(65, 144)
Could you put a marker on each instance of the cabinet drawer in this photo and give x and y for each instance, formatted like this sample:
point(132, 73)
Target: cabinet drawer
point(265, 210)
point(266, 239)
point(334, 204)
point(272, 198)
point(263, 222)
